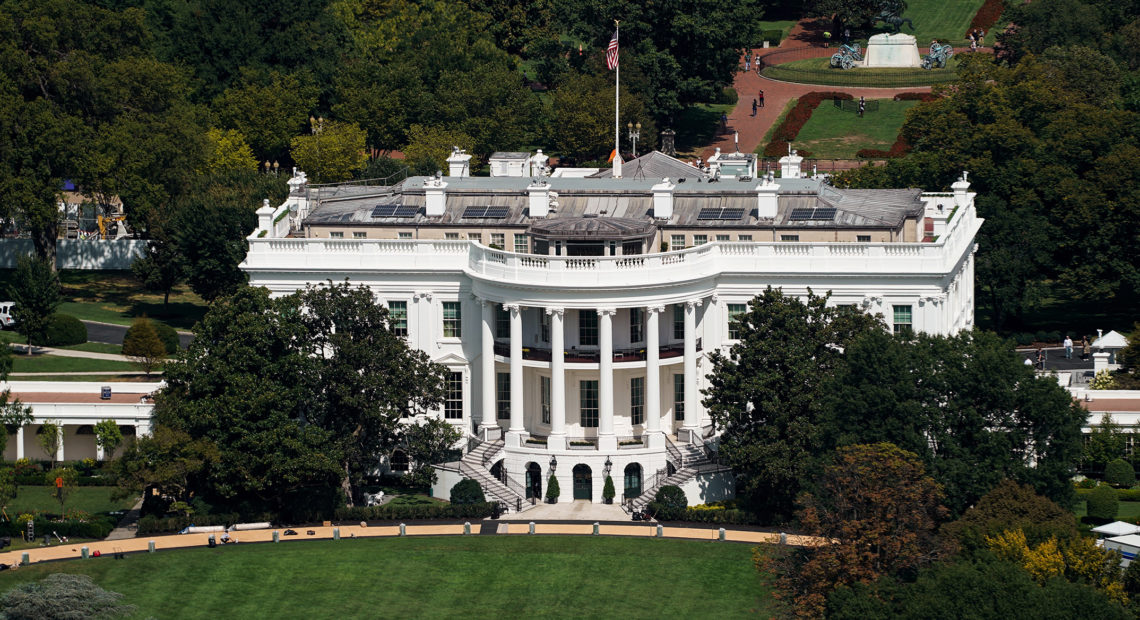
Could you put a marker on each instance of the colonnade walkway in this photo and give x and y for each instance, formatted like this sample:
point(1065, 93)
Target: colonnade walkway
point(107, 548)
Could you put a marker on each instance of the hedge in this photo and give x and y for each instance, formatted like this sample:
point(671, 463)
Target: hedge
point(797, 117)
point(64, 330)
point(725, 517)
point(924, 97)
point(151, 524)
point(1124, 495)
point(987, 16)
point(94, 528)
point(168, 335)
point(396, 512)
point(1103, 503)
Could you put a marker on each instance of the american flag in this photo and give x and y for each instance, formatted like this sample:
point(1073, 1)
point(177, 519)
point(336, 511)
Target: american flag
point(612, 53)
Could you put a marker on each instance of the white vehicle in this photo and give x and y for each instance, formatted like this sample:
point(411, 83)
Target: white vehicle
point(6, 320)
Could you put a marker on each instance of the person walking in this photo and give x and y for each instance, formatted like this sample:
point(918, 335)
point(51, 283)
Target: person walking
point(1068, 347)
point(862, 106)
point(761, 98)
point(1085, 349)
point(1040, 358)
point(827, 38)
point(753, 107)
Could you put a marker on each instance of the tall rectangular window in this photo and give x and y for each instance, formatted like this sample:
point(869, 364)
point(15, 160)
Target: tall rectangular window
point(503, 395)
point(452, 320)
point(499, 241)
point(589, 398)
point(637, 400)
point(544, 390)
point(735, 310)
point(678, 321)
point(903, 319)
point(677, 242)
point(521, 245)
point(636, 325)
point(398, 317)
point(700, 240)
point(453, 401)
point(544, 326)
point(679, 397)
point(587, 328)
point(502, 322)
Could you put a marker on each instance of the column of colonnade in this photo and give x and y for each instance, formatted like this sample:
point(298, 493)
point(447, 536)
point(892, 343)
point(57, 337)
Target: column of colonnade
point(607, 440)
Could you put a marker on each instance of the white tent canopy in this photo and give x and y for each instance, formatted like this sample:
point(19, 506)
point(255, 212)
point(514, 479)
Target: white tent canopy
point(1117, 528)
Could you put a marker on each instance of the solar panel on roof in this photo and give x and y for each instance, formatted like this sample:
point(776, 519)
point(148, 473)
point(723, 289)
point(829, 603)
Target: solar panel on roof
point(807, 213)
point(395, 210)
point(824, 214)
point(486, 212)
point(720, 213)
point(801, 214)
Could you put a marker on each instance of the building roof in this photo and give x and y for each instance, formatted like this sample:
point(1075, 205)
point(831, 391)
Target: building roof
point(655, 165)
point(510, 155)
point(593, 227)
point(1111, 340)
point(1117, 528)
point(693, 200)
point(1132, 540)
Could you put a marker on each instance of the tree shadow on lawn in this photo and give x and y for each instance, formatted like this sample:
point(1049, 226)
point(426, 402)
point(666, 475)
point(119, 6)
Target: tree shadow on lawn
point(118, 295)
point(698, 125)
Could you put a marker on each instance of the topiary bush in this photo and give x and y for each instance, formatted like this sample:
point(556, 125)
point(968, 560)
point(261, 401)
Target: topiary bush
point(608, 491)
point(552, 490)
point(467, 491)
point(669, 504)
point(64, 330)
point(168, 335)
point(1120, 473)
point(1103, 503)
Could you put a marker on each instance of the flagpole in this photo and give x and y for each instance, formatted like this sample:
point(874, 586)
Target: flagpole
point(617, 106)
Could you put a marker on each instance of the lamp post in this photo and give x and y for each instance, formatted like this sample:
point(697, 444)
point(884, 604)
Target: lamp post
point(634, 134)
point(275, 166)
point(553, 464)
point(609, 465)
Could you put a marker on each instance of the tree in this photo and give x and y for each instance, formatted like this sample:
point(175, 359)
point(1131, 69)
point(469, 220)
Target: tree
point(227, 150)
point(1105, 443)
point(966, 404)
point(160, 267)
point(467, 491)
point(767, 393)
point(552, 490)
point(369, 378)
point(427, 443)
point(50, 438)
point(880, 510)
point(854, 13)
point(108, 436)
point(608, 490)
point(268, 110)
point(433, 145)
point(581, 124)
point(1103, 503)
point(13, 413)
point(1119, 473)
point(63, 482)
point(1012, 506)
point(143, 346)
point(35, 289)
point(168, 461)
point(333, 152)
point(62, 595)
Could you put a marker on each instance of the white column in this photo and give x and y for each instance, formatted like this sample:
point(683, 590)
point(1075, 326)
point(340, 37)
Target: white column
point(606, 438)
point(62, 440)
point(691, 417)
point(655, 437)
point(557, 439)
point(20, 443)
point(99, 454)
point(517, 424)
point(488, 372)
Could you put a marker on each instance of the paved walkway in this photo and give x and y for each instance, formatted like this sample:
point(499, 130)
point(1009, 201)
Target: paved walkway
point(580, 510)
point(22, 349)
point(175, 541)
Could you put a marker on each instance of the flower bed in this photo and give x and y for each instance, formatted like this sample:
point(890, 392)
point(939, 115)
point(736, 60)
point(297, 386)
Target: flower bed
point(988, 15)
point(795, 120)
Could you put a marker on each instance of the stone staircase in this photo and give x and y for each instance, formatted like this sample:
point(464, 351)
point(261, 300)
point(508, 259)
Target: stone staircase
point(693, 457)
point(472, 466)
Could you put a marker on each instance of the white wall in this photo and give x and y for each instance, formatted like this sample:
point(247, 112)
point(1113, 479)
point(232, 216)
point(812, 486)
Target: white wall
point(710, 487)
point(116, 254)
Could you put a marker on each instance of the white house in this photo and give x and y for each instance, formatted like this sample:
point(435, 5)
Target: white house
point(576, 314)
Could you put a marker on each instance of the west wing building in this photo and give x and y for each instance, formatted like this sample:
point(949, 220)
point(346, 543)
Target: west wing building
point(576, 314)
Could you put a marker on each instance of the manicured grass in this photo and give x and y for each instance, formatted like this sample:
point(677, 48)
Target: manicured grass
point(117, 297)
point(139, 378)
point(939, 19)
point(783, 25)
point(54, 363)
point(1129, 511)
point(779, 119)
point(697, 125)
point(96, 347)
point(832, 133)
point(88, 499)
point(819, 71)
point(444, 577)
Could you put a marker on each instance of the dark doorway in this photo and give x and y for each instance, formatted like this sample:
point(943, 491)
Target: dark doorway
point(498, 472)
point(632, 480)
point(533, 481)
point(583, 482)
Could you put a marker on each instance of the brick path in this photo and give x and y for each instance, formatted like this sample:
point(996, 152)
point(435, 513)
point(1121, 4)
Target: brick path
point(777, 94)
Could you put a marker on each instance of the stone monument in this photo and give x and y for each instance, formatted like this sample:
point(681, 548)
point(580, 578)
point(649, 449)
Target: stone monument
point(892, 50)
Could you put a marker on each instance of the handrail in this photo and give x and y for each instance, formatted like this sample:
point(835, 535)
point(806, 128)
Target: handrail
point(673, 455)
point(494, 447)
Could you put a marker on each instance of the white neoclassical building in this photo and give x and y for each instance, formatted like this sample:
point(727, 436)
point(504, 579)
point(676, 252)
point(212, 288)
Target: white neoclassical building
point(576, 314)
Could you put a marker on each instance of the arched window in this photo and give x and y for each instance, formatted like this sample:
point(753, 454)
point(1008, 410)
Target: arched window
point(533, 481)
point(399, 462)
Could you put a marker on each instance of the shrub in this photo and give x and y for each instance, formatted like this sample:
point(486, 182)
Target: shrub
point(796, 119)
point(396, 512)
point(924, 97)
point(608, 490)
point(1103, 380)
point(773, 37)
point(1041, 336)
point(467, 491)
point(898, 149)
point(1103, 503)
point(1087, 483)
point(1011, 506)
point(64, 330)
point(168, 335)
point(63, 595)
point(552, 490)
point(669, 504)
point(728, 96)
point(1023, 338)
point(1119, 473)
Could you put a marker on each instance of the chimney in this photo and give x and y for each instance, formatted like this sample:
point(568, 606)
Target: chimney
point(539, 191)
point(714, 162)
point(663, 199)
point(961, 190)
point(617, 165)
point(459, 163)
point(538, 163)
point(265, 216)
point(435, 196)
point(767, 202)
point(790, 165)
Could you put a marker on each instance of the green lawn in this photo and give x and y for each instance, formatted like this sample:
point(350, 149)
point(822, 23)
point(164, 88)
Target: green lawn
point(819, 71)
point(697, 125)
point(832, 133)
point(439, 577)
point(117, 297)
point(96, 347)
point(783, 25)
point(779, 119)
point(1129, 511)
point(139, 378)
point(54, 363)
point(939, 19)
point(88, 499)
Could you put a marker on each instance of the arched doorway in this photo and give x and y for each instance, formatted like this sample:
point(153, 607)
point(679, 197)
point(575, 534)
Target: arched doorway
point(533, 481)
point(583, 482)
point(498, 472)
point(632, 480)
